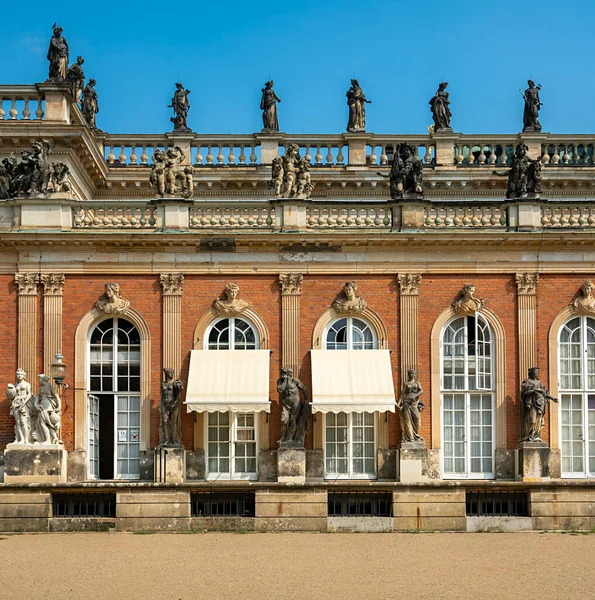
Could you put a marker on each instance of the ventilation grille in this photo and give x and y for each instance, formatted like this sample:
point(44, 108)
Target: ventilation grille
point(222, 504)
point(496, 503)
point(360, 504)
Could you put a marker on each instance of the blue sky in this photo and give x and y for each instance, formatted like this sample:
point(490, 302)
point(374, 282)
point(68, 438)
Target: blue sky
point(399, 50)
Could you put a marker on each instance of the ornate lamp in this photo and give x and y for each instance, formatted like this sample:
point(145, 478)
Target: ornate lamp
point(58, 370)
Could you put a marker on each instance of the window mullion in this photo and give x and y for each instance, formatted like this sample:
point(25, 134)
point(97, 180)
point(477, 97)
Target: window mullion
point(233, 426)
point(350, 445)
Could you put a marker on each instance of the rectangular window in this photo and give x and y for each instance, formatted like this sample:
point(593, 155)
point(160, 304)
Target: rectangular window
point(360, 504)
point(495, 503)
point(231, 446)
point(94, 504)
point(350, 446)
point(223, 504)
point(128, 437)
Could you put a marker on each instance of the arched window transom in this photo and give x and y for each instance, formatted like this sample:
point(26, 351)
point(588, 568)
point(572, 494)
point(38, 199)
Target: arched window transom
point(232, 333)
point(350, 333)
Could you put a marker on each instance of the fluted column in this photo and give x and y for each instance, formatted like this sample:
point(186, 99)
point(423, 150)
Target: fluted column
point(53, 289)
point(527, 302)
point(409, 291)
point(172, 321)
point(27, 324)
point(290, 320)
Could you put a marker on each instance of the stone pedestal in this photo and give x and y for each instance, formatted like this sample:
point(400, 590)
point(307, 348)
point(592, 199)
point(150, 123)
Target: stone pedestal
point(535, 461)
point(169, 465)
point(413, 462)
point(37, 463)
point(291, 465)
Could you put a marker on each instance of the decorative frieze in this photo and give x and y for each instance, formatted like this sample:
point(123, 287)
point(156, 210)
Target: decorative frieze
point(527, 283)
point(112, 301)
point(409, 283)
point(172, 283)
point(291, 284)
point(466, 302)
point(348, 302)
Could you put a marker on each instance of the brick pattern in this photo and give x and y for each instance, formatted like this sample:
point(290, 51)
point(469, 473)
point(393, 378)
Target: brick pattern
point(8, 364)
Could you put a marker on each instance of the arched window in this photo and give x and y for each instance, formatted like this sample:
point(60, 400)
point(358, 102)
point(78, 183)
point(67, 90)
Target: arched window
point(468, 398)
point(114, 400)
point(232, 334)
point(350, 446)
point(231, 436)
point(577, 396)
point(350, 333)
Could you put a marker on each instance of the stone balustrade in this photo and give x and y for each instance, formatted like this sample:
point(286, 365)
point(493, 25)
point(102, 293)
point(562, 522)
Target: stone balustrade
point(568, 215)
point(247, 217)
point(380, 148)
point(441, 216)
point(116, 216)
point(21, 103)
point(484, 153)
point(573, 151)
point(358, 217)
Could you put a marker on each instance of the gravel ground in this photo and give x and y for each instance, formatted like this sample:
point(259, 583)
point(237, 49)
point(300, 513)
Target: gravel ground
point(125, 566)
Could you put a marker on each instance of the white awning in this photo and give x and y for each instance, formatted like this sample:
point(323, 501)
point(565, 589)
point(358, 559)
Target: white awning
point(352, 381)
point(228, 380)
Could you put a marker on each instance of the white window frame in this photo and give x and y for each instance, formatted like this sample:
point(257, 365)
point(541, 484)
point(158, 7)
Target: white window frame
point(233, 474)
point(480, 373)
point(116, 394)
point(350, 474)
point(349, 320)
point(232, 321)
point(584, 392)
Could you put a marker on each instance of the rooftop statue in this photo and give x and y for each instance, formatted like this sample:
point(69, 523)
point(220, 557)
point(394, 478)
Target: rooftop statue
point(181, 106)
point(532, 106)
point(534, 400)
point(295, 417)
point(76, 76)
point(58, 55)
point(410, 407)
point(439, 105)
point(291, 175)
point(268, 105)
point(170, 428)
point(356, 101)
point(524, 176)
point(89, 104)
point(406, 173)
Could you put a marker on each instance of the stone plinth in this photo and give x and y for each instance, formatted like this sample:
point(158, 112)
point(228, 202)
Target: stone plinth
point(169, 465)
point(291, 465)
point(534, 461)
point(37, 463)
point(413, 462)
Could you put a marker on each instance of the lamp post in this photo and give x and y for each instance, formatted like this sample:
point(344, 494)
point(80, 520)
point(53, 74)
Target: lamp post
point(58, 371)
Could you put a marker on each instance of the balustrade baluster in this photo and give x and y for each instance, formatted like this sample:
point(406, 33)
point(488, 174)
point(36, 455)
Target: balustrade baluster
point(2, 113)
point(503, 158)
point(428, 154)
point(492, 157)
point(545, 157)
point(198, 160)
point(144, 159)
point(329, 155)
point(383, 156)
point(481, 158)
point(122, 157)
point(308, 155)
point(231, 159)
point(26, 110)
point(373, 158)
point(340, 157)
point(133, 157)
point(565, 156)
point(318, 157)
point(253, 157)
point(39, 109)
point(220, 157)
point(459, 157)
point(209, 156)
point(242, 155)
point(556, 156)
point(13, 112)
point(111, 157)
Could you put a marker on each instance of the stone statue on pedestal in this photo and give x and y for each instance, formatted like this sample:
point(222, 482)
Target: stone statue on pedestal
point(532, 106)
point(295, 417)
point(410, 407)
point(524, 176)
point(290, 177)
point(534, 400)
point(170, 426)
point(48, 408)
point(268, 105)
point(90, 107)
point(21, 399)
point(356, 100)
point(439, 105)
point(76, 76)
point(181, 106)
point(58, 55)
point(406, 173)
point(169, 175)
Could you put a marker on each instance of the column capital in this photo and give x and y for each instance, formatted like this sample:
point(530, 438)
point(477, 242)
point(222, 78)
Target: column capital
point(527, 283)
point(409, 283)
point(53, 283)
point(291, 284)
point(26, 283)
point(172, 283)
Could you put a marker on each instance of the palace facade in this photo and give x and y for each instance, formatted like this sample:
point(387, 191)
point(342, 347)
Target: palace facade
point(465, 287)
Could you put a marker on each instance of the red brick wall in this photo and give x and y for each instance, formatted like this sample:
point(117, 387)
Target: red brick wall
point(8, 364)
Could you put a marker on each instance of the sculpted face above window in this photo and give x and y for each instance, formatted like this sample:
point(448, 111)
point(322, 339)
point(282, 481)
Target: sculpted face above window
point(112, 301)
point(466, 303)
point(230, 302)
point(348, 302)
point(585, 303)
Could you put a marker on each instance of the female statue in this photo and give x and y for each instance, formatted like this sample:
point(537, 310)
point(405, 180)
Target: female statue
point(295, 417)
point(49, 412)
point(357, 111)
point(20, 397)
point(181, 105)
point(532, 106)
point(439, 105)
point(90, 107)
point(170, 433)
point(410, 407)
point(268, 105)
point(58, 55)
point(534, 399)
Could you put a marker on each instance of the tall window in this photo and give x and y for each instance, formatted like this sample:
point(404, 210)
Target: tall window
point(114, 400)
point(577, 396)
point(350, 447)
point(231, 436)
point(468, 399)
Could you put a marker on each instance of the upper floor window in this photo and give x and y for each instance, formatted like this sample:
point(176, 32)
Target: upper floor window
point(350, 333)
point(232, 333)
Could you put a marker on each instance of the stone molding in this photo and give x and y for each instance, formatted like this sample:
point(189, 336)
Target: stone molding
point(53, 283)
point(171, 283)
point(291, 284)
point(527, 283)
point(409, 283)
point(26, 283)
